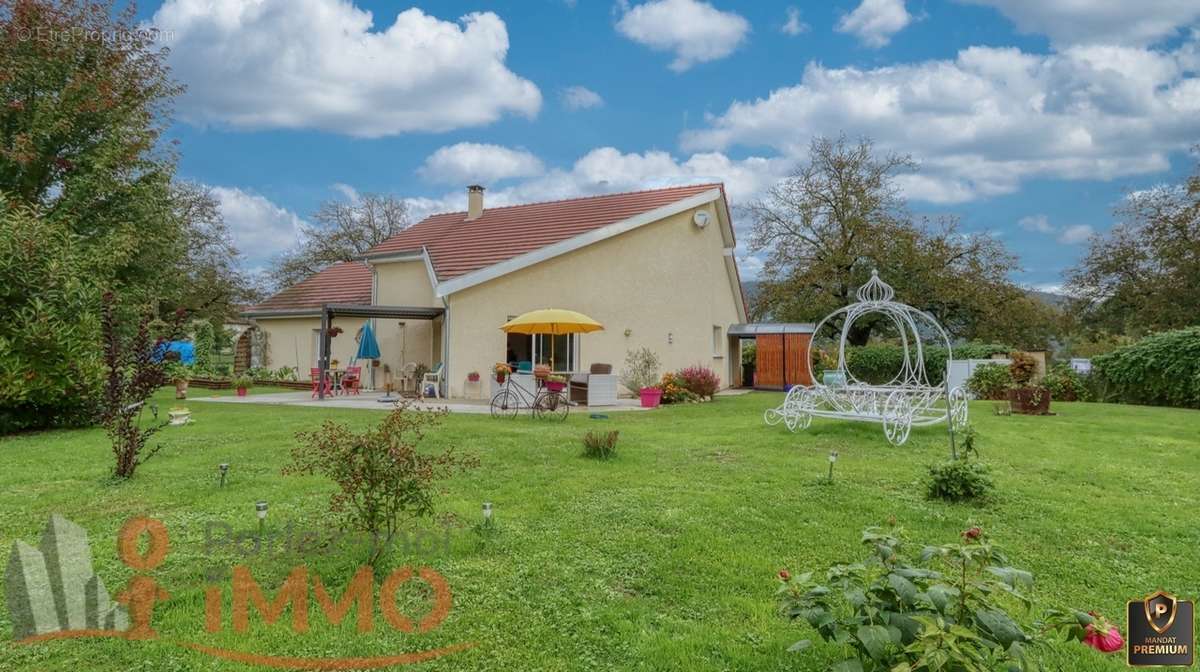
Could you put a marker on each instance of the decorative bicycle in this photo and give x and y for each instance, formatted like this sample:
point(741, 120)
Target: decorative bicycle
point(908, 400)
point(545, 403)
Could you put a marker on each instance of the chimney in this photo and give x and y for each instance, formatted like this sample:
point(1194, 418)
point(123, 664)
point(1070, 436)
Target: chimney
point(474, 202)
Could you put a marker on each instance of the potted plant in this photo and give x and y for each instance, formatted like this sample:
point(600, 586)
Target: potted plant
point(178, 373)
point(473, 377)
point(179, 416)
point(641, 375)
point(501, 371)
point(243, 383)
point(1024, 396)
point(333, 363)
point(556, 383)
point(334, 331)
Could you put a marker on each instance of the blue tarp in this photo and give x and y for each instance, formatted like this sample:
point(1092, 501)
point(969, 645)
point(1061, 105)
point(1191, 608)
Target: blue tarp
point(187, 352)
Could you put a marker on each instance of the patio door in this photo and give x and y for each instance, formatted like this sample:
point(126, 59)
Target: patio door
point(561, 353)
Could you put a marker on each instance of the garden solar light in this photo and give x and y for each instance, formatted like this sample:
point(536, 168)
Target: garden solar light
point(261, 508)
point(833, 455)
point(224, 468)
point(487, 514)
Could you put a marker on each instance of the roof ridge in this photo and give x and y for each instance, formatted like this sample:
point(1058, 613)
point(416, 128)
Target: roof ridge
point(579, 198)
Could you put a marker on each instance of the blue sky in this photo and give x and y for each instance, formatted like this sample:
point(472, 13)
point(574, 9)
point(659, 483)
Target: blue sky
point(1030, 118)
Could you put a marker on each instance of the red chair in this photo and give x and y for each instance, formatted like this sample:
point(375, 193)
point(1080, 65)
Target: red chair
point(351, 379)
point(317, 380)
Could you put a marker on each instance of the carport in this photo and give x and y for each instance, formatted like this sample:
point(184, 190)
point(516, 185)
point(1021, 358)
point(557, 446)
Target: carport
point(782, 354)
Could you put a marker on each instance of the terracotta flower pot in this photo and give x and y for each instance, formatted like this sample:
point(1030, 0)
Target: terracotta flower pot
point(651, 397)
point(241, 391)
point(181, 389)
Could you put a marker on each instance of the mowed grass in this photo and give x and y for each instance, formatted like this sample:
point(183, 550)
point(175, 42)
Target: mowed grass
point(661, 559)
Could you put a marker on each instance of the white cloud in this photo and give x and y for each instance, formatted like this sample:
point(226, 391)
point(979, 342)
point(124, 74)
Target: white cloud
point(749, 266)
point(1070, 235)
point(580, 98)
point(260, 228)
point(347, 191)
point(984, 121)
point(1038, 223)
point(793, 26)
point(1090, 22)
point(469, 162)
point(1073, 235)
point(695, 31)
point(875, 21)
point(324, 64)
point(607, 170)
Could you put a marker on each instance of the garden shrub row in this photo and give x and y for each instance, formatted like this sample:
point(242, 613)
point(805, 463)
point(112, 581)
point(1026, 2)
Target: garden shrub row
point(1162, 370)
point(878, 363)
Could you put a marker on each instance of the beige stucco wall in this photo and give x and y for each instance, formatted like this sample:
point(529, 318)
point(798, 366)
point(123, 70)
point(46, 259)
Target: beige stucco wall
point(290, 342)
point(665, 282)
point(406, 283)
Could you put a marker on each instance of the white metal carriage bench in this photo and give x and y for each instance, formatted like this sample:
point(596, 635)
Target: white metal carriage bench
point(908, 400)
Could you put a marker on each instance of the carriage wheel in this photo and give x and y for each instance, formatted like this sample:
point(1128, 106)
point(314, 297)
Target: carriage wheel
point(958, 408)
point(551, 406)
point(897, 418)
point(506, 404)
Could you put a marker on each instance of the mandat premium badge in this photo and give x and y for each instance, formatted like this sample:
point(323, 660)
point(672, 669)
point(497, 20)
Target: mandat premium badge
point(1161, 630)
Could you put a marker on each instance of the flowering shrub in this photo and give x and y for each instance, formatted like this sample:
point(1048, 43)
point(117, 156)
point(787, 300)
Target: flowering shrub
point(699, 380)
point(673, 390)
point(952, 609)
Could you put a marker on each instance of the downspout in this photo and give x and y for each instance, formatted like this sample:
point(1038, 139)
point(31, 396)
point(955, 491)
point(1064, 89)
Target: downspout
point(374, 321)
point(446, 349)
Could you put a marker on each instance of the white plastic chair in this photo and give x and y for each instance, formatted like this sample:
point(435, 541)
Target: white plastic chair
point(434, 377)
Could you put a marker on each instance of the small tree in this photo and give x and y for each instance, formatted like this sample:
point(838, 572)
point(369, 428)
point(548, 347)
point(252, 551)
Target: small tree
point(134, 369)
point(380, 475)
point(641, 370)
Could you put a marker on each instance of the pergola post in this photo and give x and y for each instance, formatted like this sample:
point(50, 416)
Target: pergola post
point(323, 355)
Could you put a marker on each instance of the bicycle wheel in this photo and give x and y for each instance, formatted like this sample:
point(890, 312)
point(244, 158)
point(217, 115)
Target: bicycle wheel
point(506, 404)
point(551, 406)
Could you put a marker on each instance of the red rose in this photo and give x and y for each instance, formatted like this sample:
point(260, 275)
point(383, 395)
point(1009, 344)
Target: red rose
point(972, 534)
point(785, 575)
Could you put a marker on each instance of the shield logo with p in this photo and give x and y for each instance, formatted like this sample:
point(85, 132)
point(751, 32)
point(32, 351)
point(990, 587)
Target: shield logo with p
point(1160, 611)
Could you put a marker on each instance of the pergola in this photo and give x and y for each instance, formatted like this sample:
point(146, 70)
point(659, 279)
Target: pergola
point(331, 310)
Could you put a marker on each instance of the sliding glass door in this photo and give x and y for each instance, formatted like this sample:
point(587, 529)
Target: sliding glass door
point(561, 353)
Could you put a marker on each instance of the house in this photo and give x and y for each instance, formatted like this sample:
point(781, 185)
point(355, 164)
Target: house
point(655, 267)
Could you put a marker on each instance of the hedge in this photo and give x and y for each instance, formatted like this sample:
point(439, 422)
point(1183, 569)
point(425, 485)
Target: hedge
point(879, 363)
point(1161, 370)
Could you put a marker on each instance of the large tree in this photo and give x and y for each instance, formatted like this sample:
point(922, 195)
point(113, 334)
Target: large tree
point(1144, 275)
point(215, 285)
point(842, 215)
point(341, 231)
point(84, 99)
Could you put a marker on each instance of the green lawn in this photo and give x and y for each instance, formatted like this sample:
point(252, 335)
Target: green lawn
point(662, 559)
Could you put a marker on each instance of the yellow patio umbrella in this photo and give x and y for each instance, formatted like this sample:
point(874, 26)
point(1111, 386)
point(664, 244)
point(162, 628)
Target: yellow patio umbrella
point(556, 321)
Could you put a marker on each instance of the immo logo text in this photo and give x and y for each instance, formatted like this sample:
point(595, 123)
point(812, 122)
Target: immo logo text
point(53, 593)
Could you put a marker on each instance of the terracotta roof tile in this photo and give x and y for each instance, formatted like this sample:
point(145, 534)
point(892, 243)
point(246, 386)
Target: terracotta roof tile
point(346, 282)
point(457, 246)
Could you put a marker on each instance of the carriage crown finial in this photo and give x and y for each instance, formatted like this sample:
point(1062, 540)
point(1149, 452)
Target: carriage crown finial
point(875, 289)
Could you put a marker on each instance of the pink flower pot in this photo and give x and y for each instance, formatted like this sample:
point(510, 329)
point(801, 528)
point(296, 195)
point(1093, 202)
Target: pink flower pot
point(241, 391)
point(651, 397)
point(554, 386)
